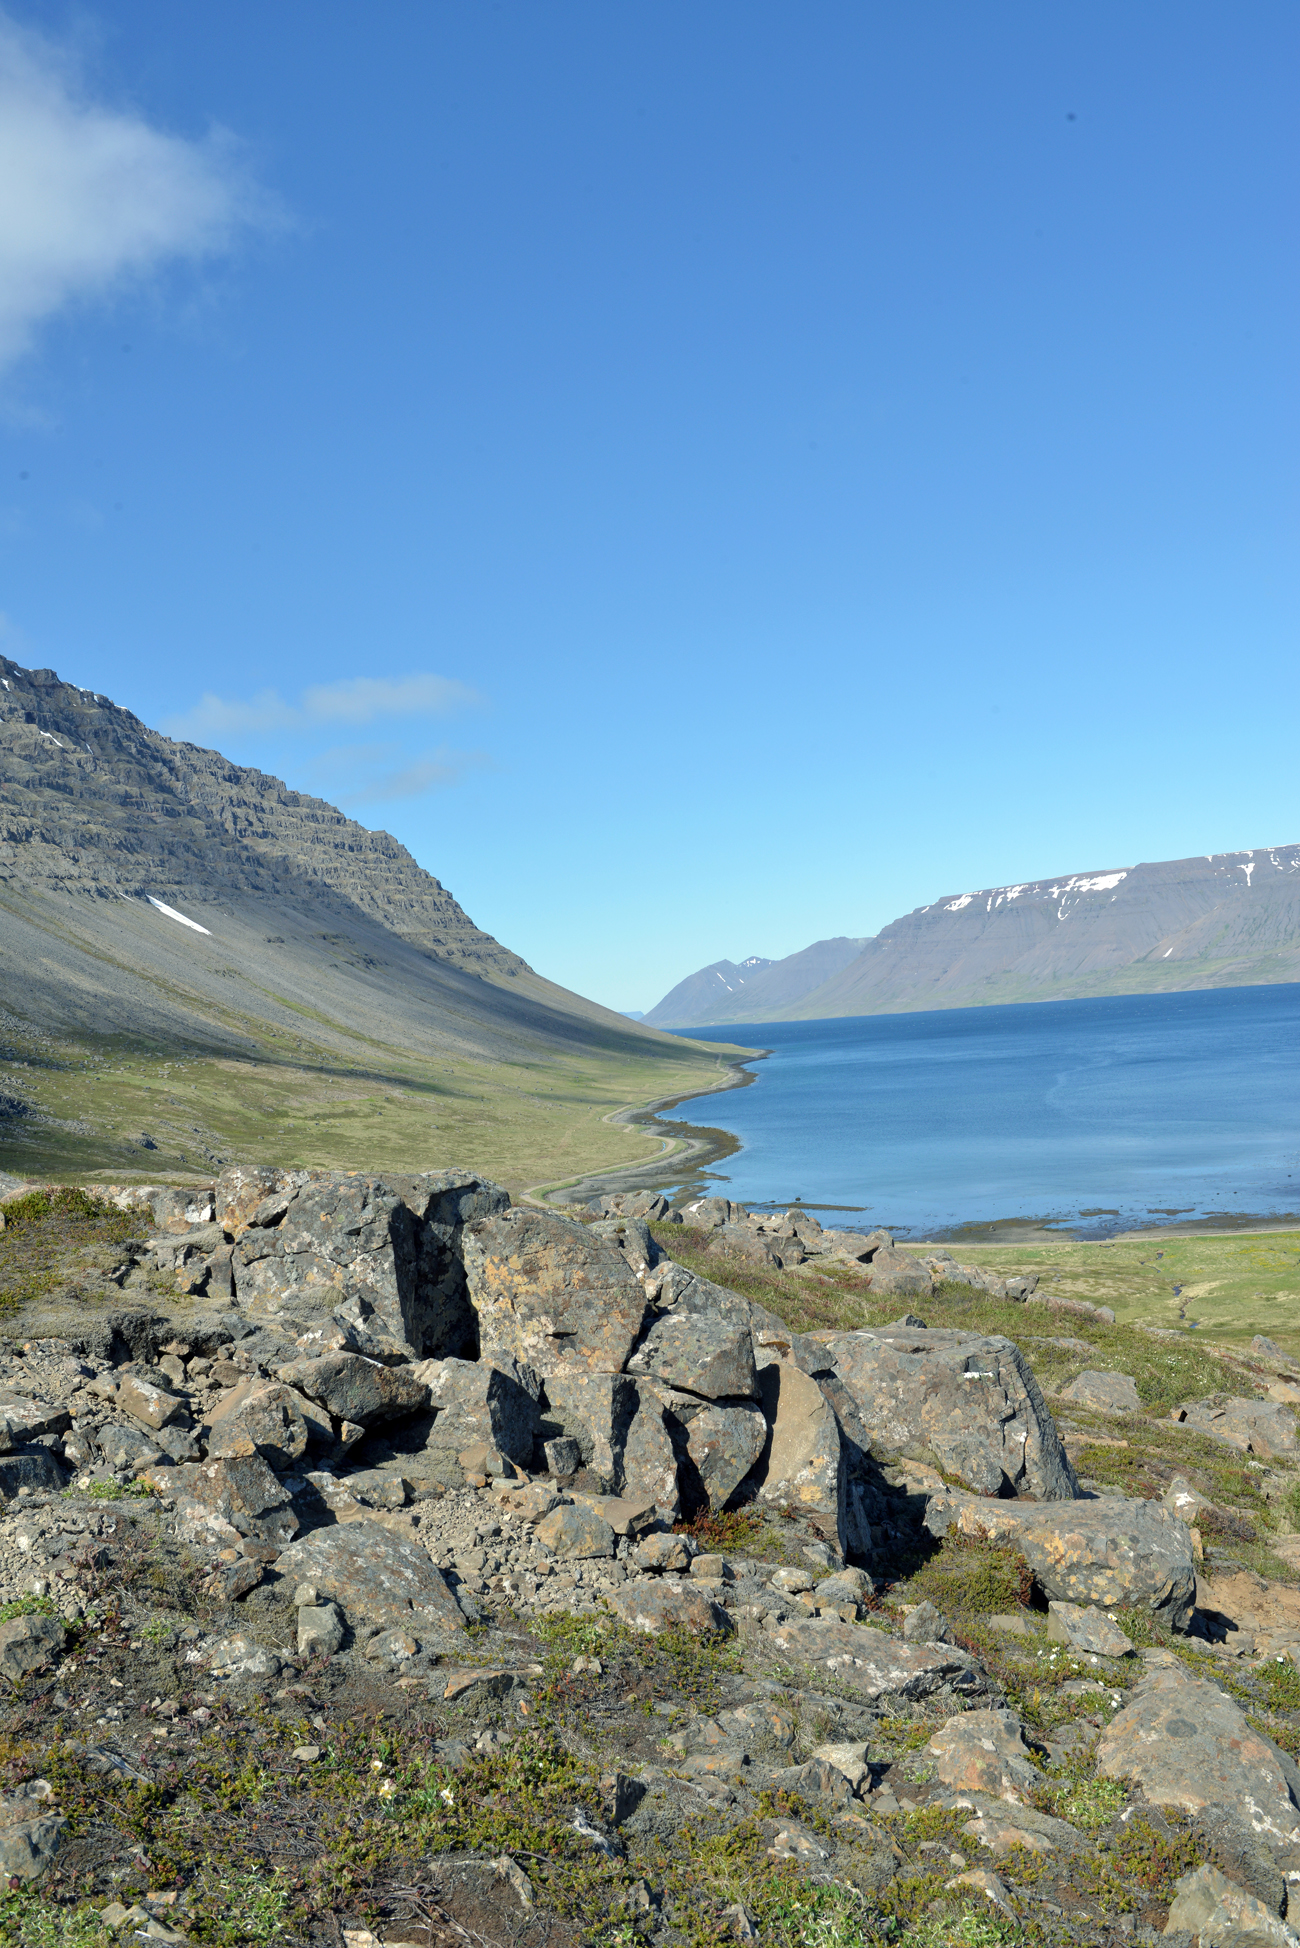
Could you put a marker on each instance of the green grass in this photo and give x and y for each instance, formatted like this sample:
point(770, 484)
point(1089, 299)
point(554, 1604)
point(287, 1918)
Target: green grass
point(338, 1099)
point(51, 1236)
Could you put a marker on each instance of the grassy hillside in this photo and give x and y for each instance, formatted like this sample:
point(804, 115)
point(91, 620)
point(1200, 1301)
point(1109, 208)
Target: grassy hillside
point(126, 1057)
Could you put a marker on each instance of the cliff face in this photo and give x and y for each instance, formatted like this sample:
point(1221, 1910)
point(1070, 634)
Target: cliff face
point(94, 803)
point(1229, 920)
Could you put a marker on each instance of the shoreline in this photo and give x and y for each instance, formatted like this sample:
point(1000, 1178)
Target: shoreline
point(696, 1144)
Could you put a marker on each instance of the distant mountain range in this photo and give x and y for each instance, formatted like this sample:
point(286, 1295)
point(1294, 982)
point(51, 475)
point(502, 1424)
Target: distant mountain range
point(1225, 920)
point(753, 989)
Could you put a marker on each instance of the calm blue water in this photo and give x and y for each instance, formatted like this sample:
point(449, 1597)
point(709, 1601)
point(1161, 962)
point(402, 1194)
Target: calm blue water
point(1098, 1115)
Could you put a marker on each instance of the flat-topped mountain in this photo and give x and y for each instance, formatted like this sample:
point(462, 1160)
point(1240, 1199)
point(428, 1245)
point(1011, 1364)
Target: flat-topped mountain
point(159, 902)
point(1223, 920)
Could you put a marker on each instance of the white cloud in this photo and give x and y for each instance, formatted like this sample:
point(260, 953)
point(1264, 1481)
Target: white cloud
point(92, 196)
point(365, 774)
point(360, 699)
point(353, 700)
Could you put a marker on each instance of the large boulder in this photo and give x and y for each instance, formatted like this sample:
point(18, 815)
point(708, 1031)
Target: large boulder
point(319, 1239)
point(723, 1440)
point(861, 1661)
point(648, 1463)
point(805, 1465)
point(1186, 1744)
point(696, 1354)
point(653, 1607)
point(595, 1410)
point(237, 1494)
point(1110, 1393)
point(1109, 1551)
point(494, 1401)
point(374, 1577)
point(966, 1404)
point(263, 1417)
point(550, 1294)
point(1263, 1427)
point(353, 1388)
point(898, 1273)
point(629, 1439)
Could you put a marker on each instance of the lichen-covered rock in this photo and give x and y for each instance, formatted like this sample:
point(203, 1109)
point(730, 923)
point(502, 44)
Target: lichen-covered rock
point(805, 1465)
point(236, 1493)
point(29, 1643)
point(1186, 1744)
point(319, 1239)
point(550, 1294)
point(1207, 1904)
point(1109, 1551)
point(967, 1404)
point(320, 1629)
point(1263, 1427)
point(574, 1531)
point(898, 1273)
point(353, 1388)
point(374, 1577)
point(1088, 1630)
point(494, 1400)
point(1003, 1826)
point(28, 1420)
point(30, 1467)
point(147, 1402)
point(712, 1357)
point(647, 1466)
point(127, 1447)
point(658, 1606)
point(595, 1410)
point(31, 1831)
point(1112, 1393)
point(865, 1662)
point(724, 1439)
point(260, 1417)
point(985, 1751)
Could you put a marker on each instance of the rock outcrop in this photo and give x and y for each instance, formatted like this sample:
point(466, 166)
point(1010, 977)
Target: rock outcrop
point(967, 1405)
point(1109, 1551)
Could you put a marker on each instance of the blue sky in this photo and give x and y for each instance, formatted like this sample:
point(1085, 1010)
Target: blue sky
point(704, 477)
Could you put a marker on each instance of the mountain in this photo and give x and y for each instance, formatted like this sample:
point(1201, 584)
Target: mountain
point(753, 989)
point(1224, 920)
point(303, 976)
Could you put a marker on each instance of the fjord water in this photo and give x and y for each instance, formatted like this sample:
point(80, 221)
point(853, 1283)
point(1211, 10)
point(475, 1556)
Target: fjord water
point(1097, 1116)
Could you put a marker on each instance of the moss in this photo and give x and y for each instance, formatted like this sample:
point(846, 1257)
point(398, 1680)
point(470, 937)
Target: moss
point(974, 1575)
point(51, 1236)
point(28, 1606)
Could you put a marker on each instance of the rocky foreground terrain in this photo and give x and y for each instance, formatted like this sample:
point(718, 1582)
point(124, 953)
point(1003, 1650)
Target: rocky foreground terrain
point(380, 1562)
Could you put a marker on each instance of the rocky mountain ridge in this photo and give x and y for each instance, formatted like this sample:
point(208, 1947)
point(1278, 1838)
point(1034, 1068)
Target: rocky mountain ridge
point(96, 804)
point(161, 904)
point(1225, 920)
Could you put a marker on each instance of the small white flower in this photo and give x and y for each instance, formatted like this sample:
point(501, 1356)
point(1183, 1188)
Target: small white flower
point(387, 1787)
point(448, 1795)
point(376, 1765)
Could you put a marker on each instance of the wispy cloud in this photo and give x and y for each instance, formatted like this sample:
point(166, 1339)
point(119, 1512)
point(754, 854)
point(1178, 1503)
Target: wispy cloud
point(92, 196)
point(367, 774)
point(355, 700)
